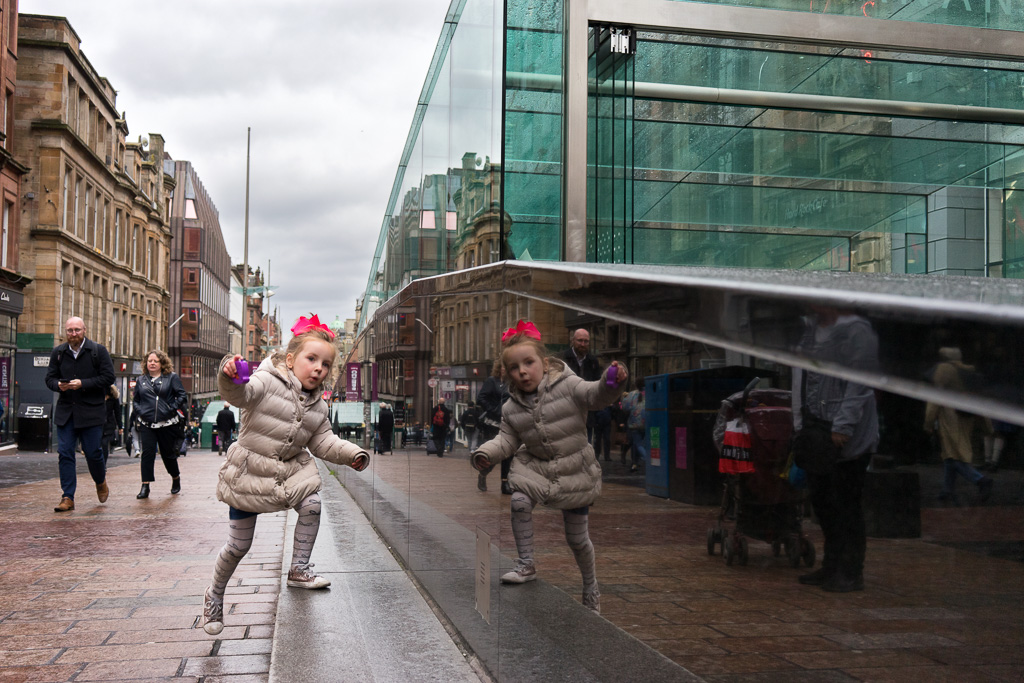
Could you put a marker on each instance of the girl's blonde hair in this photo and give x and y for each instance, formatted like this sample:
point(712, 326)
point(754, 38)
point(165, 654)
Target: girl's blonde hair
point(166, 366)
point(522, 338)
point(298, 341)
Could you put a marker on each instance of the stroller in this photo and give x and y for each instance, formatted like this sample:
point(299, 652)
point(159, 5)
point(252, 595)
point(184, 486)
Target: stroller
point(753, 434)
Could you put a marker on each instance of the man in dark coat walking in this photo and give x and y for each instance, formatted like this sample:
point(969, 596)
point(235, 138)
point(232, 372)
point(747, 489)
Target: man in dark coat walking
point(225, 427)
point(585, 365)
point(440, 418)
point(386, 426)
point(81, 372)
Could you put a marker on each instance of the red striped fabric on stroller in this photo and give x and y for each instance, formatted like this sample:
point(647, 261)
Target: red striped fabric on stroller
point(753, 434)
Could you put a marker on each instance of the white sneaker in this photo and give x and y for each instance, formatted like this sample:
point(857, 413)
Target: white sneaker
point(592, 600)
point(213, 614)
point(301, 576)
point(522, 573)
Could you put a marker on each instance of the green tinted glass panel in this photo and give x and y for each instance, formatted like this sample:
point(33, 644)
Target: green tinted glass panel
point(533, 131)
point(829, 72)
point(818, 155)
point(1005, 14)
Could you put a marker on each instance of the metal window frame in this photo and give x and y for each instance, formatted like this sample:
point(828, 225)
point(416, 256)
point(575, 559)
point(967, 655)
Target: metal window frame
point(745, 23)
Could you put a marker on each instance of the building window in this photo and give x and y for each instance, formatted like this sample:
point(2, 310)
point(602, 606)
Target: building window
point(190, 283)
point(193, 238)
point(118, 250)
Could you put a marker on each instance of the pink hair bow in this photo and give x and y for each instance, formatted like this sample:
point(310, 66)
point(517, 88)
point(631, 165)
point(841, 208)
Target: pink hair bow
point(312, 323)
point(522, 327)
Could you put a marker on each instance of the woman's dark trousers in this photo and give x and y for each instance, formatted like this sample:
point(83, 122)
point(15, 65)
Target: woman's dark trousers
point(165, 439)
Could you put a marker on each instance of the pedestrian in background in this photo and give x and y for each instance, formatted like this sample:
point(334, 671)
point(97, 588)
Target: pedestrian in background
point(159, 402)
point(839, 337)
point(112, 426)
point(634, 405)
point(440, 420)
point(491, 398)
point(81, 371)
point(469, 421)
point(543, 427)
point(269, 469)
point(955, 428)
point(225, 428)
point(385, 427)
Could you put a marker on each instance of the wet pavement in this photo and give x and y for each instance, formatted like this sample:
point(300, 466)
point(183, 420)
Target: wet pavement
point(113, 591)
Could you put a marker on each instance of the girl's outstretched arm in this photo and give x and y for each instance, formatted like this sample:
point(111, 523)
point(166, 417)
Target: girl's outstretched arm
point(501, 447)
point(326, 445)
point(599, 393)
point(241, 395)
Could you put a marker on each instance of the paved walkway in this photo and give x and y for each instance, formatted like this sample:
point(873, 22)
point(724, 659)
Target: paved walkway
point(113, 592)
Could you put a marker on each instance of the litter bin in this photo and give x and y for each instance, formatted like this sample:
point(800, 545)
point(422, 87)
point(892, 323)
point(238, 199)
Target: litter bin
point(34, 427)
point(682, 411)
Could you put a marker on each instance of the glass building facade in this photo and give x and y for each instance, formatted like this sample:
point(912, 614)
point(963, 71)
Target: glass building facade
point(606, 147)
point(797, 149)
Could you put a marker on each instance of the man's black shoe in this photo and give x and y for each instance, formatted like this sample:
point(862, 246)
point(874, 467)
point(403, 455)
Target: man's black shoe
point(815, 578)
point(842, 584)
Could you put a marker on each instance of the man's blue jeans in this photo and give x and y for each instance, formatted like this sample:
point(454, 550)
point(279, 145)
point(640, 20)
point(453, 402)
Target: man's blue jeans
point(67, 438)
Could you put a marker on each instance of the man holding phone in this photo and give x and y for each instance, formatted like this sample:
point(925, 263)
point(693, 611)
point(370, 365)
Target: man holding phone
point(81, 372)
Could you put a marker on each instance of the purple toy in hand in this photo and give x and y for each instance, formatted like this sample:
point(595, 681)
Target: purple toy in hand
point(613, 371)
point(242, 371)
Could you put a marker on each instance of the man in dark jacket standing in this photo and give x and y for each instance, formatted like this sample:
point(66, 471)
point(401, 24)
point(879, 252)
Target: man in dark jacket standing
point(585, 365)
point(440, 418)
point(225, 427)
point(81, 372)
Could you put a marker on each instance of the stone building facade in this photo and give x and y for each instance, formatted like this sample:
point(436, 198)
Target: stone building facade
point(95, 237)
point(12, 280)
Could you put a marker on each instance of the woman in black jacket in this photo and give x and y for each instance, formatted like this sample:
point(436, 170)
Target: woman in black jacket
point(159, 402)
point(113, 424)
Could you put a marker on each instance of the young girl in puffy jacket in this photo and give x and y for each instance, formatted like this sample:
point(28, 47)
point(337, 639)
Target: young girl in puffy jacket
point(546, 415)
point(268, 469)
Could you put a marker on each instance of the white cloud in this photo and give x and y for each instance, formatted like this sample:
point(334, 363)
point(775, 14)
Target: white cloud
point(329, 88)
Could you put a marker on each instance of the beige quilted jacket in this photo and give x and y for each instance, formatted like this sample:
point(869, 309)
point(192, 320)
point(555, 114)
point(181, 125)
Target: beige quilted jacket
point(555, 466)
point(268, 468)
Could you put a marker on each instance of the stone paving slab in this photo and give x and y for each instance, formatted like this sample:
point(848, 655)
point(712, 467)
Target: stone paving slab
point(113, 592)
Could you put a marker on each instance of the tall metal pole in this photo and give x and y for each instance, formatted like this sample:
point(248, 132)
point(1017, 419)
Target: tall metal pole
point(245, 253)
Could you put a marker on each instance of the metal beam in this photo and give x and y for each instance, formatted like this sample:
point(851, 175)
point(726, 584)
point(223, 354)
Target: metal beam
point(751, 23)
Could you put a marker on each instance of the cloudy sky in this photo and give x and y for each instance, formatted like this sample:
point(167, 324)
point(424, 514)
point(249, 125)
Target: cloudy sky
point(328, 87)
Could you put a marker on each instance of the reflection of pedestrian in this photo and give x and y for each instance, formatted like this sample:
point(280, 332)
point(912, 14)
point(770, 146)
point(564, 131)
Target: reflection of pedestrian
point(440, 419)
point(636, 423)
point(585, 365)
point(603, 432)
point(386, 427)
point(112, 426)
point(841, 338)
point(81, 371)
point(955, 428)
point(469, 420)
point(492, 396)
